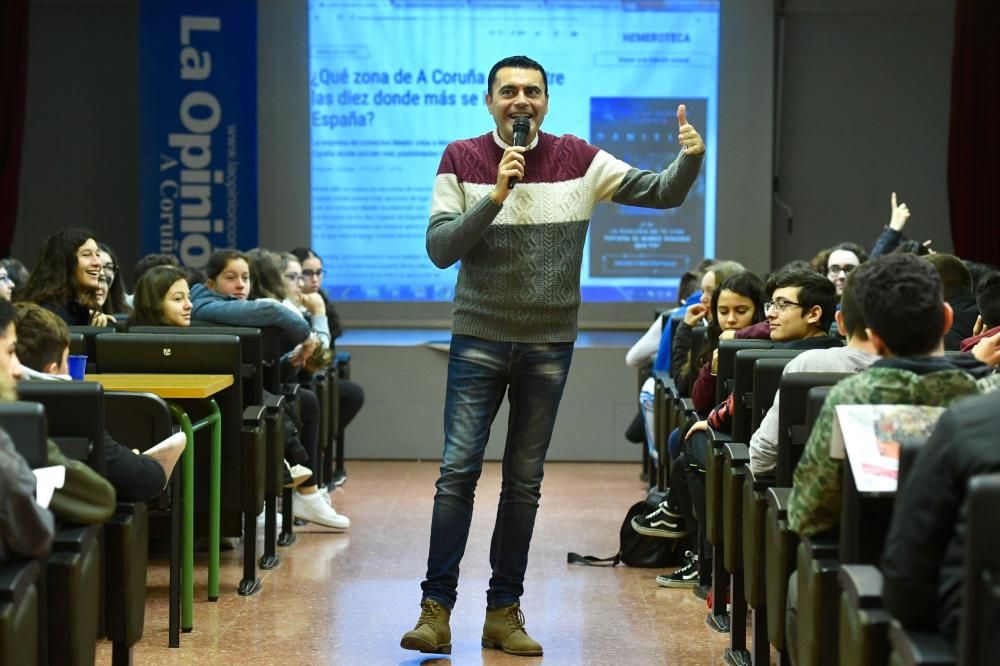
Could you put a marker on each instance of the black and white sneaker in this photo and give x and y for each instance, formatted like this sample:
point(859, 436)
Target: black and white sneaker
point(660, 523)
point(686, 576)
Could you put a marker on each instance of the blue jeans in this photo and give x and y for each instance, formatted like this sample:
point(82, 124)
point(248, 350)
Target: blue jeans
point(479, 373)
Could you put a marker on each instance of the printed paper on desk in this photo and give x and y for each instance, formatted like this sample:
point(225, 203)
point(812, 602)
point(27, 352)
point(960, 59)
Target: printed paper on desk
point(47, 479)
point(870, 437)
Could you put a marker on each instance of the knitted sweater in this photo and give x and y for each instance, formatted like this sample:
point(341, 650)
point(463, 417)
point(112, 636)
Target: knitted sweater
point(519, 279)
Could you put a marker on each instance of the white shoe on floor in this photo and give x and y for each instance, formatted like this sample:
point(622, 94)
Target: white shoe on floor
point(311, 507)
point(261, 518)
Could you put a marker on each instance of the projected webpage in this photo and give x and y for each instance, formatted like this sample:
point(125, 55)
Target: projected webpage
point(392, 82)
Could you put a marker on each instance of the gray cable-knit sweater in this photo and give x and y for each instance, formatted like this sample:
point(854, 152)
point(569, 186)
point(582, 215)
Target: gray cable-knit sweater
point(519, 280)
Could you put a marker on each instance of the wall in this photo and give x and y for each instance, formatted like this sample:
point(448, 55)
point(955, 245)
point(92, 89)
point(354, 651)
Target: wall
point(863, 112)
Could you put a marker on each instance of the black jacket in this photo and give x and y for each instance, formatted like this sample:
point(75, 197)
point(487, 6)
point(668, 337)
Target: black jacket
point(922, 562)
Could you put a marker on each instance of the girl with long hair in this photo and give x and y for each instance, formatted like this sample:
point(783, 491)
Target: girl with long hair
point(162, 298)
point(66, 277)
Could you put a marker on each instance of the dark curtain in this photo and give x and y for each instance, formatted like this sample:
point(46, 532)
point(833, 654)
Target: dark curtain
point(13, 79)
point(974, 139)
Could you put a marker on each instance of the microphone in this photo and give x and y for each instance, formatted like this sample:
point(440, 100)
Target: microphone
point(522, 127)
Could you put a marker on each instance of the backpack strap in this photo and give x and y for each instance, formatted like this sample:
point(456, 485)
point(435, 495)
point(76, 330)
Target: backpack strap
point(592, 561)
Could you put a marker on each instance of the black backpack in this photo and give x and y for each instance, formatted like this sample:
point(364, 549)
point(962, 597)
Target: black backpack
point(634, 549)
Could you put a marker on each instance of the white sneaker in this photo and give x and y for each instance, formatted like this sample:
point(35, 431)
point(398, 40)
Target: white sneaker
point(261, 518)
point(311, 507)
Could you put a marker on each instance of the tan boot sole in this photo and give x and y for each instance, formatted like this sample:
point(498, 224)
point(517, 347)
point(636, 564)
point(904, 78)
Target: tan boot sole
point(413, 643)
point(493, 645)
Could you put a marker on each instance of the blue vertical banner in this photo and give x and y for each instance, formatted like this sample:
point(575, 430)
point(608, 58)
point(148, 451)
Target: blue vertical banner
point(198, 143)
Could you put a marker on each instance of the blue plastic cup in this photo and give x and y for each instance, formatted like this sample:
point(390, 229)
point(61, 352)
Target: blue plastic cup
point(77, 366)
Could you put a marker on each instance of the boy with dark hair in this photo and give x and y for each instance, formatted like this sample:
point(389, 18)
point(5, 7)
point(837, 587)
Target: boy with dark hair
point(895, 292)
point(799, 313)
point(902, 300)
point(855, 357)
point(957, 283)
point(43, 348)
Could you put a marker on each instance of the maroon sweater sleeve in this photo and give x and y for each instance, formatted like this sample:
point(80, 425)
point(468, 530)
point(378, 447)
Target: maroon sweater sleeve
point(703, 391)
point(759, 331)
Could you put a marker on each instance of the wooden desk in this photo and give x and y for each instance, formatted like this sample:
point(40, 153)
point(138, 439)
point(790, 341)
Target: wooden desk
point(165, 386)
point(187, 387)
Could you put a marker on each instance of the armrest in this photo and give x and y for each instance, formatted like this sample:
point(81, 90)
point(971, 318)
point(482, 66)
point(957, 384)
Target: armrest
point(822, 546)
point(719, 439)
point(777, 499)
point(16, 578)
point(273, 402)
point(737, 454)
point(290, 390)
point(687, 404)
point(253, 414)
point(74, 539)
point(760, 482)
point(863, 585)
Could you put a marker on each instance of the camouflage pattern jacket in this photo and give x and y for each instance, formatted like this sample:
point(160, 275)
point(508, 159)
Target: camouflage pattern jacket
point(814, 503)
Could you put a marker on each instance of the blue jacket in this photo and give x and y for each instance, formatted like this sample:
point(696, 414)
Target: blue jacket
point(218, 309)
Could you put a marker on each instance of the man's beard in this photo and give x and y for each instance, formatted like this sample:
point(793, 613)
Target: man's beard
point(8, 388)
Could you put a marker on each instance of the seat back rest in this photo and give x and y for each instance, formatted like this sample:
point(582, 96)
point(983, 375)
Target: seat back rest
point(75, 417)
point(766, 379)
point(191, 354)
point(26, 425)
point(979, 640)
point(742, 386)
point(77, 343)
point(272, 347)
point(251, 352)
point(727, 363)
point(793, 425)
point(90, 335)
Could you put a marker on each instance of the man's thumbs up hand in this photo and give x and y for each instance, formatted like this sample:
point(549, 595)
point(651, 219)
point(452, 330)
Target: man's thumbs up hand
point(688, 137)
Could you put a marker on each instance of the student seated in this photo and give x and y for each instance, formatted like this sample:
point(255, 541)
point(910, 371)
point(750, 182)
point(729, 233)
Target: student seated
point(66, 278)
point(858, 354)
point(25, 527)
point(922, 565)
point(684, 361)
point(902, 301)
point(988, 303)
point(957, 283)
point(352, 396)
point(224, 299)
point(85, 497)
point(799, 313)
point(43, 347)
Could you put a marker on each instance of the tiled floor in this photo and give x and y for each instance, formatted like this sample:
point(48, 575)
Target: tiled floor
point(347, 598)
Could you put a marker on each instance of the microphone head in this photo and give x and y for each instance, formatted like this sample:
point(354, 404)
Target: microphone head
point(522, 127)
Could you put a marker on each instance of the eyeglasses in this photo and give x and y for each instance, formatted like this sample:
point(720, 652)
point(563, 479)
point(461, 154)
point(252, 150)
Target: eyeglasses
point(780, 305)
point(834, 271)
point(293, 277)
point(111, 270)
point(309, 273)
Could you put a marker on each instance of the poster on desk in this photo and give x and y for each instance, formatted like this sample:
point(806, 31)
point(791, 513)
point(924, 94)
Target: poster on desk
point(198, 127)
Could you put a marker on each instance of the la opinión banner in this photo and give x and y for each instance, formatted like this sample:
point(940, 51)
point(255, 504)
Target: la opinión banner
point(198, 107)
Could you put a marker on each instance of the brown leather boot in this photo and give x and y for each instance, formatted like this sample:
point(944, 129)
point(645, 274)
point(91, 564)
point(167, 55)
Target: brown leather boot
point(432, 633)
point(504, 630)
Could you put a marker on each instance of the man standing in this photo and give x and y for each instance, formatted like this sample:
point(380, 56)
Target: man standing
point(514, 322)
